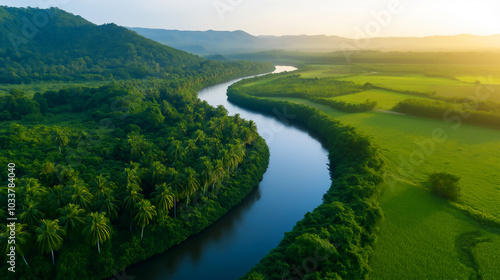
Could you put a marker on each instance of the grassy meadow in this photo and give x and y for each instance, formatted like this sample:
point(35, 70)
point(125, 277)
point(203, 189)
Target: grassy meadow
point(423, 235)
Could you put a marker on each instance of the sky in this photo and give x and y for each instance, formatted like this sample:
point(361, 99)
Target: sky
point(345, 18)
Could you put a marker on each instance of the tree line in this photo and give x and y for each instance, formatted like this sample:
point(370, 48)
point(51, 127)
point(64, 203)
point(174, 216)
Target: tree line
point(121, 167)
point(335, 240)
point(466, 111)
point(320, 91)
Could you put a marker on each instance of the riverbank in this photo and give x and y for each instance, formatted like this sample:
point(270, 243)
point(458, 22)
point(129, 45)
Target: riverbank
point(333, 241)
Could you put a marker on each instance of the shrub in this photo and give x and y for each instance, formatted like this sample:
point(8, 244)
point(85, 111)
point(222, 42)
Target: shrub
point(445, 185)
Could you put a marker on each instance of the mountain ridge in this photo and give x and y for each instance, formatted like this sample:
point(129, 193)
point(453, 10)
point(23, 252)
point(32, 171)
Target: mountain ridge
point(238, 41)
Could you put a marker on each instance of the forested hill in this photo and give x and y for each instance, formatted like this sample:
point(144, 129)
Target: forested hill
point(53, 45)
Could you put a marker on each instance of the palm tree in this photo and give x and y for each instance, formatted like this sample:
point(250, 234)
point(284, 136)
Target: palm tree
point(164, 197)
point(48, 236)
point(206, 172)
point(132, 197)
point(157, 173)
point(239, 152)
point(132, 175)
point(31, 214)
point(219, 171)
point(57, 197)
point(71, 217)
point(32, 189)
point(175, 180)
point(191, 147)
point(81, 195)
point(100, 185)
point(137, 144)
point(108, 204)
point(190, 183)
point(59, 138)
point(199, 135)
point(22, 240)
point(144, 214)
point(97, 229)
point(175, 149)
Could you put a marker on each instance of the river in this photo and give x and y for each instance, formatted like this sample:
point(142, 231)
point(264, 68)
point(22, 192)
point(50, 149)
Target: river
point(295, 181)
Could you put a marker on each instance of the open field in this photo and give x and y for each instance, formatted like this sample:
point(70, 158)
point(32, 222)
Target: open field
point(399, 135)
point(421, 229)
point(413, 78)
point(386, 100)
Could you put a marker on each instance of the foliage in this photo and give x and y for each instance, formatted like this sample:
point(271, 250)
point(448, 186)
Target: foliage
point(451, 112)
point(445, 185)
point(316, 90)
point(69, 48)
point(75, 173)
point(343, 226)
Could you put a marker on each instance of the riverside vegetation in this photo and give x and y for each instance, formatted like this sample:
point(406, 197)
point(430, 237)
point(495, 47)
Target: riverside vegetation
point(111, 173)
point(451, 238)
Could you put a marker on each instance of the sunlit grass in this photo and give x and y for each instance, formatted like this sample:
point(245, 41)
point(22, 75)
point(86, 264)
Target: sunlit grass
point(386, 100)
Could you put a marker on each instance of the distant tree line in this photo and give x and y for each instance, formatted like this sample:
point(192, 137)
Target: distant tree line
point(454, 112)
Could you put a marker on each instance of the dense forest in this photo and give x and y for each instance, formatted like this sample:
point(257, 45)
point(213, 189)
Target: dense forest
point(53, 45)
point(335, 240)
point(115, 165)
point(104, 173)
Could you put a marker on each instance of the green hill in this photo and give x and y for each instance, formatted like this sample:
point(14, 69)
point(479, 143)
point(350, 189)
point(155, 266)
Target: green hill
point(53, 45)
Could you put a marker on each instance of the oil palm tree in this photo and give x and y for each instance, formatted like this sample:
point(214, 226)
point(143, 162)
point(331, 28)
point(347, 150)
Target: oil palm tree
point(97, 229)
point(144, 214)
point(49, 237)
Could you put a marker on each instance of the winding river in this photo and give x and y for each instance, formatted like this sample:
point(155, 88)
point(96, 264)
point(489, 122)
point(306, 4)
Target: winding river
point(294, 184)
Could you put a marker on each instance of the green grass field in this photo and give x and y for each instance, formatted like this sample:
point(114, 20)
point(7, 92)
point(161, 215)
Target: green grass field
point(405, 80)
point(386, 100)
point(468, 151)
point(419, 227)
point(423, 236)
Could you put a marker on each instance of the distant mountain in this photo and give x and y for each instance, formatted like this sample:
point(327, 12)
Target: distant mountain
point(233, 42)
point(51, 44)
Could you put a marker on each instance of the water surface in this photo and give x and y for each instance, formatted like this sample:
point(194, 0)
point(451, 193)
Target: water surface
point(294, 184)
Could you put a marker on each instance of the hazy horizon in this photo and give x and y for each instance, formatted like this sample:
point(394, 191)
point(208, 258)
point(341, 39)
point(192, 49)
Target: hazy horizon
point(355, 19)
